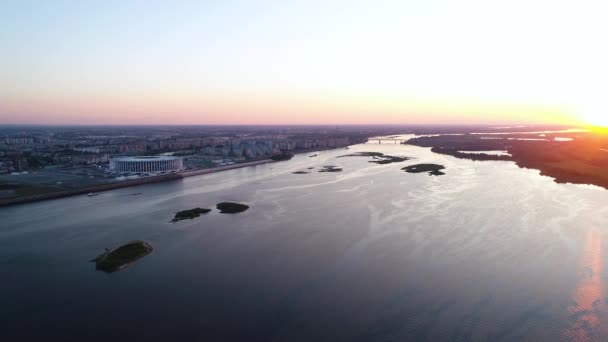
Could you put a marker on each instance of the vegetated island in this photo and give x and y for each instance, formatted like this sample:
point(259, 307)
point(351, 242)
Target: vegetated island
point(330, 168)
point(432, 169)
point(121, 257)
point(282, 156)
point(231, 208)
point(189, 214)
point(379, 158)
point(568, 157)
point(472, 155)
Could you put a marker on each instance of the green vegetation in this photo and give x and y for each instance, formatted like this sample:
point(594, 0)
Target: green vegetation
point(582, 160)
point(432, 169)
point(36, 162)
point(119, 258)
point(231, 208)
point(364, 154)
point(379, 158)
point(282, 156)
point(330, 168)
point(189, 214)
point(24, 190)
point(389, 160)
point(9, 186)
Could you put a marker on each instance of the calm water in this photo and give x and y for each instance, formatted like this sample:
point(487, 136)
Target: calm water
point(487, 252)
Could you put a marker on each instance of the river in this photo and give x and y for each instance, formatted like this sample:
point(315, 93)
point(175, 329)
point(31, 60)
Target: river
point(488, 251)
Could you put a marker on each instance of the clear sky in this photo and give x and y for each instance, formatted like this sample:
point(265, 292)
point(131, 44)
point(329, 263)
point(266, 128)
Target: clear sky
point(303, 62)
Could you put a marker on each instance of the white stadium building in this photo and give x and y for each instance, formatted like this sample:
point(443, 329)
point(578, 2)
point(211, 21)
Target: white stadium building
point(146, 164)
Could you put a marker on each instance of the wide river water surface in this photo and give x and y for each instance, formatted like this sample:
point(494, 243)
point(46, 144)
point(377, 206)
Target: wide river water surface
point(488, 251)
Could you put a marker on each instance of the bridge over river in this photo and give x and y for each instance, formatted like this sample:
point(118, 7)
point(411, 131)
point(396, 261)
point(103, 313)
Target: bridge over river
point(395, 140)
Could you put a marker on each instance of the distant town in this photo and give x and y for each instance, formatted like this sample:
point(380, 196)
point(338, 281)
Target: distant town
point(36, 161)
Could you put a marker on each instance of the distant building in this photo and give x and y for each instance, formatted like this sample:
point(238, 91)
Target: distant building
point(87, 149)
point(131, 148)
point(89, 159)
point(19, 141)
point(146, 164)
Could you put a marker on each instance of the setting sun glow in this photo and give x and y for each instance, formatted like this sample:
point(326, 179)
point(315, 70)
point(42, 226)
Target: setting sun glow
point(594, 114)
point(596, 120)
point(312, 62)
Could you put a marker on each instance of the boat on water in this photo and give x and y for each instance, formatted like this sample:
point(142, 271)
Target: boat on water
point(314, 155)
point(92, 194)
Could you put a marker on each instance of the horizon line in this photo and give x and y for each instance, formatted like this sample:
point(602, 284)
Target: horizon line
point(511, 124)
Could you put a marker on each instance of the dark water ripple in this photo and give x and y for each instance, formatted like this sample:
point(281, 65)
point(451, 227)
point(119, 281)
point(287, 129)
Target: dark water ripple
point(488, 252)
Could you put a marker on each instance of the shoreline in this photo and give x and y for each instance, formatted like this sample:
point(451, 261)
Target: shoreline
point(150, 180)
point(128, 183)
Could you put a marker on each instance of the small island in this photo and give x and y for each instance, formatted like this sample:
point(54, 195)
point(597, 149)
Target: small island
point(379, 158)
point(189, 214)
point(364, 154)
point(390, 160)
point(231, 208)
point(300, 173)
point(330, 168)
point(121, 257)
point(432, 169)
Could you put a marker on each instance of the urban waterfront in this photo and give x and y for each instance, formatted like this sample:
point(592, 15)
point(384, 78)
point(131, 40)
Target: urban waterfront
point(488, 251)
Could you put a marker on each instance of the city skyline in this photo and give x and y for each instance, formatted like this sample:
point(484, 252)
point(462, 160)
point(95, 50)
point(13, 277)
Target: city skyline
point(295, 62)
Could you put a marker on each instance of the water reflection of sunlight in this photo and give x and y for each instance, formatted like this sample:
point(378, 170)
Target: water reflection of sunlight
point(587, 312)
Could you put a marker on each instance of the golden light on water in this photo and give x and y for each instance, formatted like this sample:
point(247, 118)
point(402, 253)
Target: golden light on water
point(589, 308)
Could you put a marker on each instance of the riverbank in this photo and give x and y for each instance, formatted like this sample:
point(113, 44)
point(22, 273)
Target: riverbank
point(577, 158)
point(127, 183)
point(147, 180)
